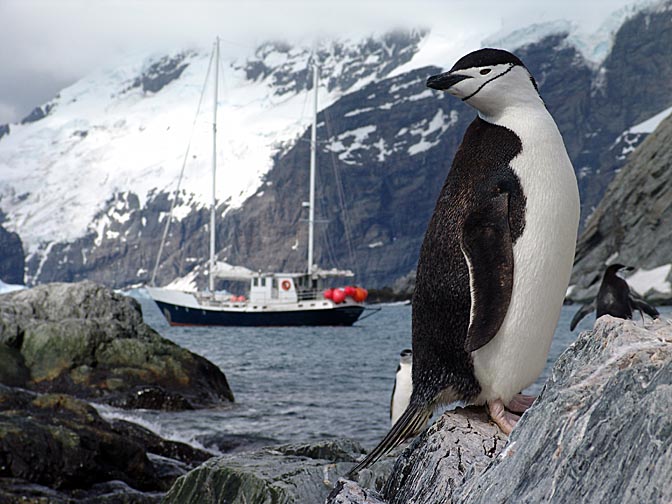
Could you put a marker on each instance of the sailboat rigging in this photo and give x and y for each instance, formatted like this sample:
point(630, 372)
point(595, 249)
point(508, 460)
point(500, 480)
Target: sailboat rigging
point(275, 299)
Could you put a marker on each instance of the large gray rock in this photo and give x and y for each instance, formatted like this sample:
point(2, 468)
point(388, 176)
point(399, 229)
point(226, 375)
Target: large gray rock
point(600, 431)
point(85, 340)
point(279, 475)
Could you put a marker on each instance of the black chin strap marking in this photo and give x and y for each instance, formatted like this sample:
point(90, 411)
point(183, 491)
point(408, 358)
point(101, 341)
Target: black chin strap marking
point(511, 65)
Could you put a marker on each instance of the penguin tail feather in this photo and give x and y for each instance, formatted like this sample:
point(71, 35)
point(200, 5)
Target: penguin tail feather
point(409, 424)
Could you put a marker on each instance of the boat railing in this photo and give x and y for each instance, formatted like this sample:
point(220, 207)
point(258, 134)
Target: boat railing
point(308, 294)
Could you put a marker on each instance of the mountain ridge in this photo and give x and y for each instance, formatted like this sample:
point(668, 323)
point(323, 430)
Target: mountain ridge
point(389, 142)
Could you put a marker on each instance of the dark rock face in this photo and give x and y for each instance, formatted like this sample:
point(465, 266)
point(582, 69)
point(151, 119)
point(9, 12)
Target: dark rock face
point(162, 73)
point(4, 130)
point(634, 220)
point(38, 113)
point(600, 431)
point(58, 448)
point(279, 474)
point(61, 442)
point(12, 260)
point(85, 340)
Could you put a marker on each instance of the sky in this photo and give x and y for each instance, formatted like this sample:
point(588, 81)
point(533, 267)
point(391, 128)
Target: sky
point(48, 44)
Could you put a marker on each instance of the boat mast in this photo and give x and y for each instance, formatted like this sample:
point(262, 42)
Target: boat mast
point(313, 148)
point(211, 276)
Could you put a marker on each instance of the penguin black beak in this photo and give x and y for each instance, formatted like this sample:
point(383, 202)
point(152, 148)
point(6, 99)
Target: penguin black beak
point(628, 268)
point(445, 80)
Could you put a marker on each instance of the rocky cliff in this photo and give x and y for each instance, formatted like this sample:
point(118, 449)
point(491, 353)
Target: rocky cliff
point(633, 223)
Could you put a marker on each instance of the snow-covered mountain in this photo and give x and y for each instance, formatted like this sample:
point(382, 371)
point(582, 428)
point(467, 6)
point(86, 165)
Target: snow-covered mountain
point(87, 179)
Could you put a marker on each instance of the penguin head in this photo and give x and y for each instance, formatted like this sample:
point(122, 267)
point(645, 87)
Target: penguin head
point(406, 356)
point(615, 268)
point(490, 80)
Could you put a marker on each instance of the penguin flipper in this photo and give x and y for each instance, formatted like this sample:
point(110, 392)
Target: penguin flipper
point(643, 306)
point(488, 249)
point(580, 314)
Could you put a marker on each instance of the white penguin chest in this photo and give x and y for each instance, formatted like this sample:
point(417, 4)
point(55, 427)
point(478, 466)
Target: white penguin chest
point(543, 257)
point(403, 389)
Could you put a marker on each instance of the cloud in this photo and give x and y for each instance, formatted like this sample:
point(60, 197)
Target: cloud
point(49, 44)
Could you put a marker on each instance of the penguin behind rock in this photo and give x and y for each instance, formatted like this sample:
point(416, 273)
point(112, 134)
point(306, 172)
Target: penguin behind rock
point(614, 298)
point(497, 254)
point(403, 386)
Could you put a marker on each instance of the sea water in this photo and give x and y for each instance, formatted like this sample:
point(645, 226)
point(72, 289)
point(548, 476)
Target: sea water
point(302, 384)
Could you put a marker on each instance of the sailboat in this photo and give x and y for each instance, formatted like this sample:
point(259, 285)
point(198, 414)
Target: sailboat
point(274, 299)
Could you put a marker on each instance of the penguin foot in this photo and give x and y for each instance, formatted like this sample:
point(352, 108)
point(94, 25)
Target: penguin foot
point(504, 419)
point(520, 403)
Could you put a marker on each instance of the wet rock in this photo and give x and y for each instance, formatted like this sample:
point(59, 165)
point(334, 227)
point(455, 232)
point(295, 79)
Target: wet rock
point(61, 442)
point(278, 474)
point(157, 445)
point(56, 448)
point(227, 443)
point(85, 340)
point(151, 397)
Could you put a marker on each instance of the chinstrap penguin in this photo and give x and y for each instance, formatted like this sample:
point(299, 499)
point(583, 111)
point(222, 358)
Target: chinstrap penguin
point(497, 254)
point(403, 386)
point(614, 298)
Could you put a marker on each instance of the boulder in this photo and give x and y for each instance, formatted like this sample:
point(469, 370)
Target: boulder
point(58, 448)
point(86, 340)
point(600, 431)
point(299, 473)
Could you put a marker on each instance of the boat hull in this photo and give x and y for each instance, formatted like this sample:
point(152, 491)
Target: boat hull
point(185, 316)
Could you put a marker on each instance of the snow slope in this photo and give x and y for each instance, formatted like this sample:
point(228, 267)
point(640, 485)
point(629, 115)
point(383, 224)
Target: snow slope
point(106, 134)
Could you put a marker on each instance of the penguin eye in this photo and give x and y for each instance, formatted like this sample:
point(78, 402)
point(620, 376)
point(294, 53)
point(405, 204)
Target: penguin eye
point(485, 71)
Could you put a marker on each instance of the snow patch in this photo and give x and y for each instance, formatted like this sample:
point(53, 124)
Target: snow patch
point(350, 141)
point(5, 288)
point(435, 128)
point(656, 279)
point(651, 123)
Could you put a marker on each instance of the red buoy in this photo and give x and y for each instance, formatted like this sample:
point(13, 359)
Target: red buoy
point(349, 291)
point(360, 295)
point(338, 296)
point(328, 294)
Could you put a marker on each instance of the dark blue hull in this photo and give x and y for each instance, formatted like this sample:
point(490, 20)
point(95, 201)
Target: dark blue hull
point(181, 316)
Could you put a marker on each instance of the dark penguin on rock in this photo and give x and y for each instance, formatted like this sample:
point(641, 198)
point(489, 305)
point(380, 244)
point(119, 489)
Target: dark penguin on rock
point(497, 254)
point(614, 298)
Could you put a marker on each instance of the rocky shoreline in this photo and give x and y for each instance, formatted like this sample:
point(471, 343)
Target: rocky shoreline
point(62, 345)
